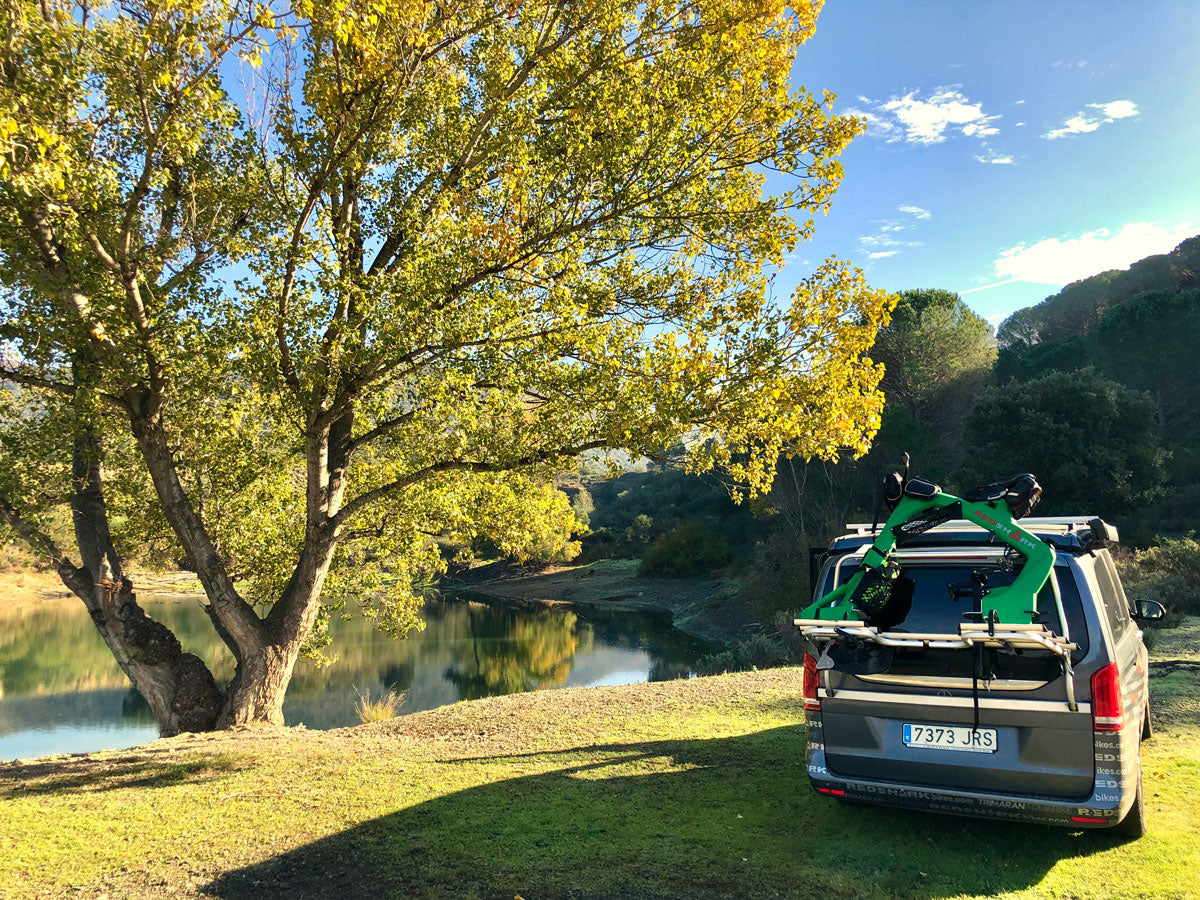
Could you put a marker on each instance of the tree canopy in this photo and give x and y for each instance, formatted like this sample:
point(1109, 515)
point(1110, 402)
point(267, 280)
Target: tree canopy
point(938, 356)
point(295, 292)
point(1093, 443)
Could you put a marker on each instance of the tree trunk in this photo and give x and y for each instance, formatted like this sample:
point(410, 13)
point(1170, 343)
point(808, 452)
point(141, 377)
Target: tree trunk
point(255, 696)
point(178, 687)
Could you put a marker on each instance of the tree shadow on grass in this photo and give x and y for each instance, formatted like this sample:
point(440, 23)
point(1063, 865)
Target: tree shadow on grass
point(86, 774)
point(704, 818)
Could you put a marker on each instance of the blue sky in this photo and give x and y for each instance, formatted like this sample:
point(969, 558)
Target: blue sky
point(1022, 143)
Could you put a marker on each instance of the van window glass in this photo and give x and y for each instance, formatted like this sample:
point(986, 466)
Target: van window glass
point(1115, 604)
point(935, 610)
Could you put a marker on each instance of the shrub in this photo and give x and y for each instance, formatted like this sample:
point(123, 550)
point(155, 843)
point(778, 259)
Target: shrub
point(688, 549)
point(641, 530)
point(778, 577)
point(790, 635)
point(385, 707)
point(762, 651)
point(1169, 573)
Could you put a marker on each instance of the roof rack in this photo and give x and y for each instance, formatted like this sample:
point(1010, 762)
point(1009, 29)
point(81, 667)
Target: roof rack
point(1059, 524)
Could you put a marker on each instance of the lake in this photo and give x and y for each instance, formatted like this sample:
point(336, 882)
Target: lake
point(61, 691)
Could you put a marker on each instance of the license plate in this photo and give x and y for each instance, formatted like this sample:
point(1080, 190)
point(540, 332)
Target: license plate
point(950, 737)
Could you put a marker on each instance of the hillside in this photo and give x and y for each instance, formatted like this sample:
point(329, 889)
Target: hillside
point(687, 788)
point(1075, 309)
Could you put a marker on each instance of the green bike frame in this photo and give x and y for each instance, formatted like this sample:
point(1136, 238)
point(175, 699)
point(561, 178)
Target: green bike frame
point(1015, 604)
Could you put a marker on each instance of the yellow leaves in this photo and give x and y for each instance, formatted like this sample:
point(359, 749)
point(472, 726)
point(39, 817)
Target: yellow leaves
point(252, 57)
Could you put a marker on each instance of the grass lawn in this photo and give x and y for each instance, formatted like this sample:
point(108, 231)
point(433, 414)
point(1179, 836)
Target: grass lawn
point(687, 788)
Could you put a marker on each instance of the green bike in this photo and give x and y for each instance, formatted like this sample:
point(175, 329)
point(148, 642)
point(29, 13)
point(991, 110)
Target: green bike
point(878, 595)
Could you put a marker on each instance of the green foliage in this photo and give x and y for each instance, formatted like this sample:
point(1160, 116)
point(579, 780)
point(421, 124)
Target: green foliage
point(777, 578)
point(686, 550)
point(634, 510)
point(937, 355)
point(641, 530)
point(762, 651)
point(1026, 363)
point(1149, 343)
point(1145, 341)
point(581, 502)
point(1168, 572)
point(1092, 443)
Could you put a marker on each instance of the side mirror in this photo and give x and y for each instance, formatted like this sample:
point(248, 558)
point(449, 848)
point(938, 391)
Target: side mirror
point(1148, 611)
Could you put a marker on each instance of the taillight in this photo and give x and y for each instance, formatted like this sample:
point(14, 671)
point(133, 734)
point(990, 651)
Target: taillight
point(1106, 699)
point(811, 679)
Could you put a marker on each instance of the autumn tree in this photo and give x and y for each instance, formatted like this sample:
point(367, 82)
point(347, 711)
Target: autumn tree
point(298, 290)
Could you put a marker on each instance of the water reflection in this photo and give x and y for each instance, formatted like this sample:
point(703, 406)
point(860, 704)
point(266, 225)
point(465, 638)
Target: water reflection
point(61, 691)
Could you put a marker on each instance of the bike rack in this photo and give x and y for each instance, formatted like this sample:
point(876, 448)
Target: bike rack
point(824, 632)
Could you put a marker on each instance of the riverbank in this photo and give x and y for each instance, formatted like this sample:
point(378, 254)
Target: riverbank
point(688, 788)
point(711, 609)
point(31, 586)
point(708, 608)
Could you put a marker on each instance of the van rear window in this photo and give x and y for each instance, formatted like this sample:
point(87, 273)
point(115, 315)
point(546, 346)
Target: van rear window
point(934, 609)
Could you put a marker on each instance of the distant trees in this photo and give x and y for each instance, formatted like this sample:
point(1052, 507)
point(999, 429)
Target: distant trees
point(1152, 343)
point(1093, 443)
point(937, 354)
point(1078, 307)
point(1144, 339)
point(689, 548)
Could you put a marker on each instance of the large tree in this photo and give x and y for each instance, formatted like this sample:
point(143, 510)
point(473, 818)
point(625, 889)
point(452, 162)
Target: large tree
point(938, 355)
point(297, 291)
point(1092, 443)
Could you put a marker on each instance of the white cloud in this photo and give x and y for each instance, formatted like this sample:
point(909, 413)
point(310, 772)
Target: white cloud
point(1019, 125)
point(996, 159)
point(1116, 109)
point(1084, 122)
point(928, 120)
point(871, 241)
point(887, 241)
point(877, 126)
point(1060, 261)
point(1018, 102)
point(1079, 124)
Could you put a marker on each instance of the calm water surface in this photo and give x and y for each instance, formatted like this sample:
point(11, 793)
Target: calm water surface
point(62, 692)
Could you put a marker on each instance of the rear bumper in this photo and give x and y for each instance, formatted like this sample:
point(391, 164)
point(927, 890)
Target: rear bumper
point(1111, 799)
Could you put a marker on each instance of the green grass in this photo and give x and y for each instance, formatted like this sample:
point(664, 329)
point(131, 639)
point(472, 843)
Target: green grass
point(687, 789)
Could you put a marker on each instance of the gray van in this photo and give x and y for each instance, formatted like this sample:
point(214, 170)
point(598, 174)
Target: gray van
point(1011, 732)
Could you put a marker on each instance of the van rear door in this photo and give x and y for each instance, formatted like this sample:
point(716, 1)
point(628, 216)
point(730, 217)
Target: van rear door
point(911, 715)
